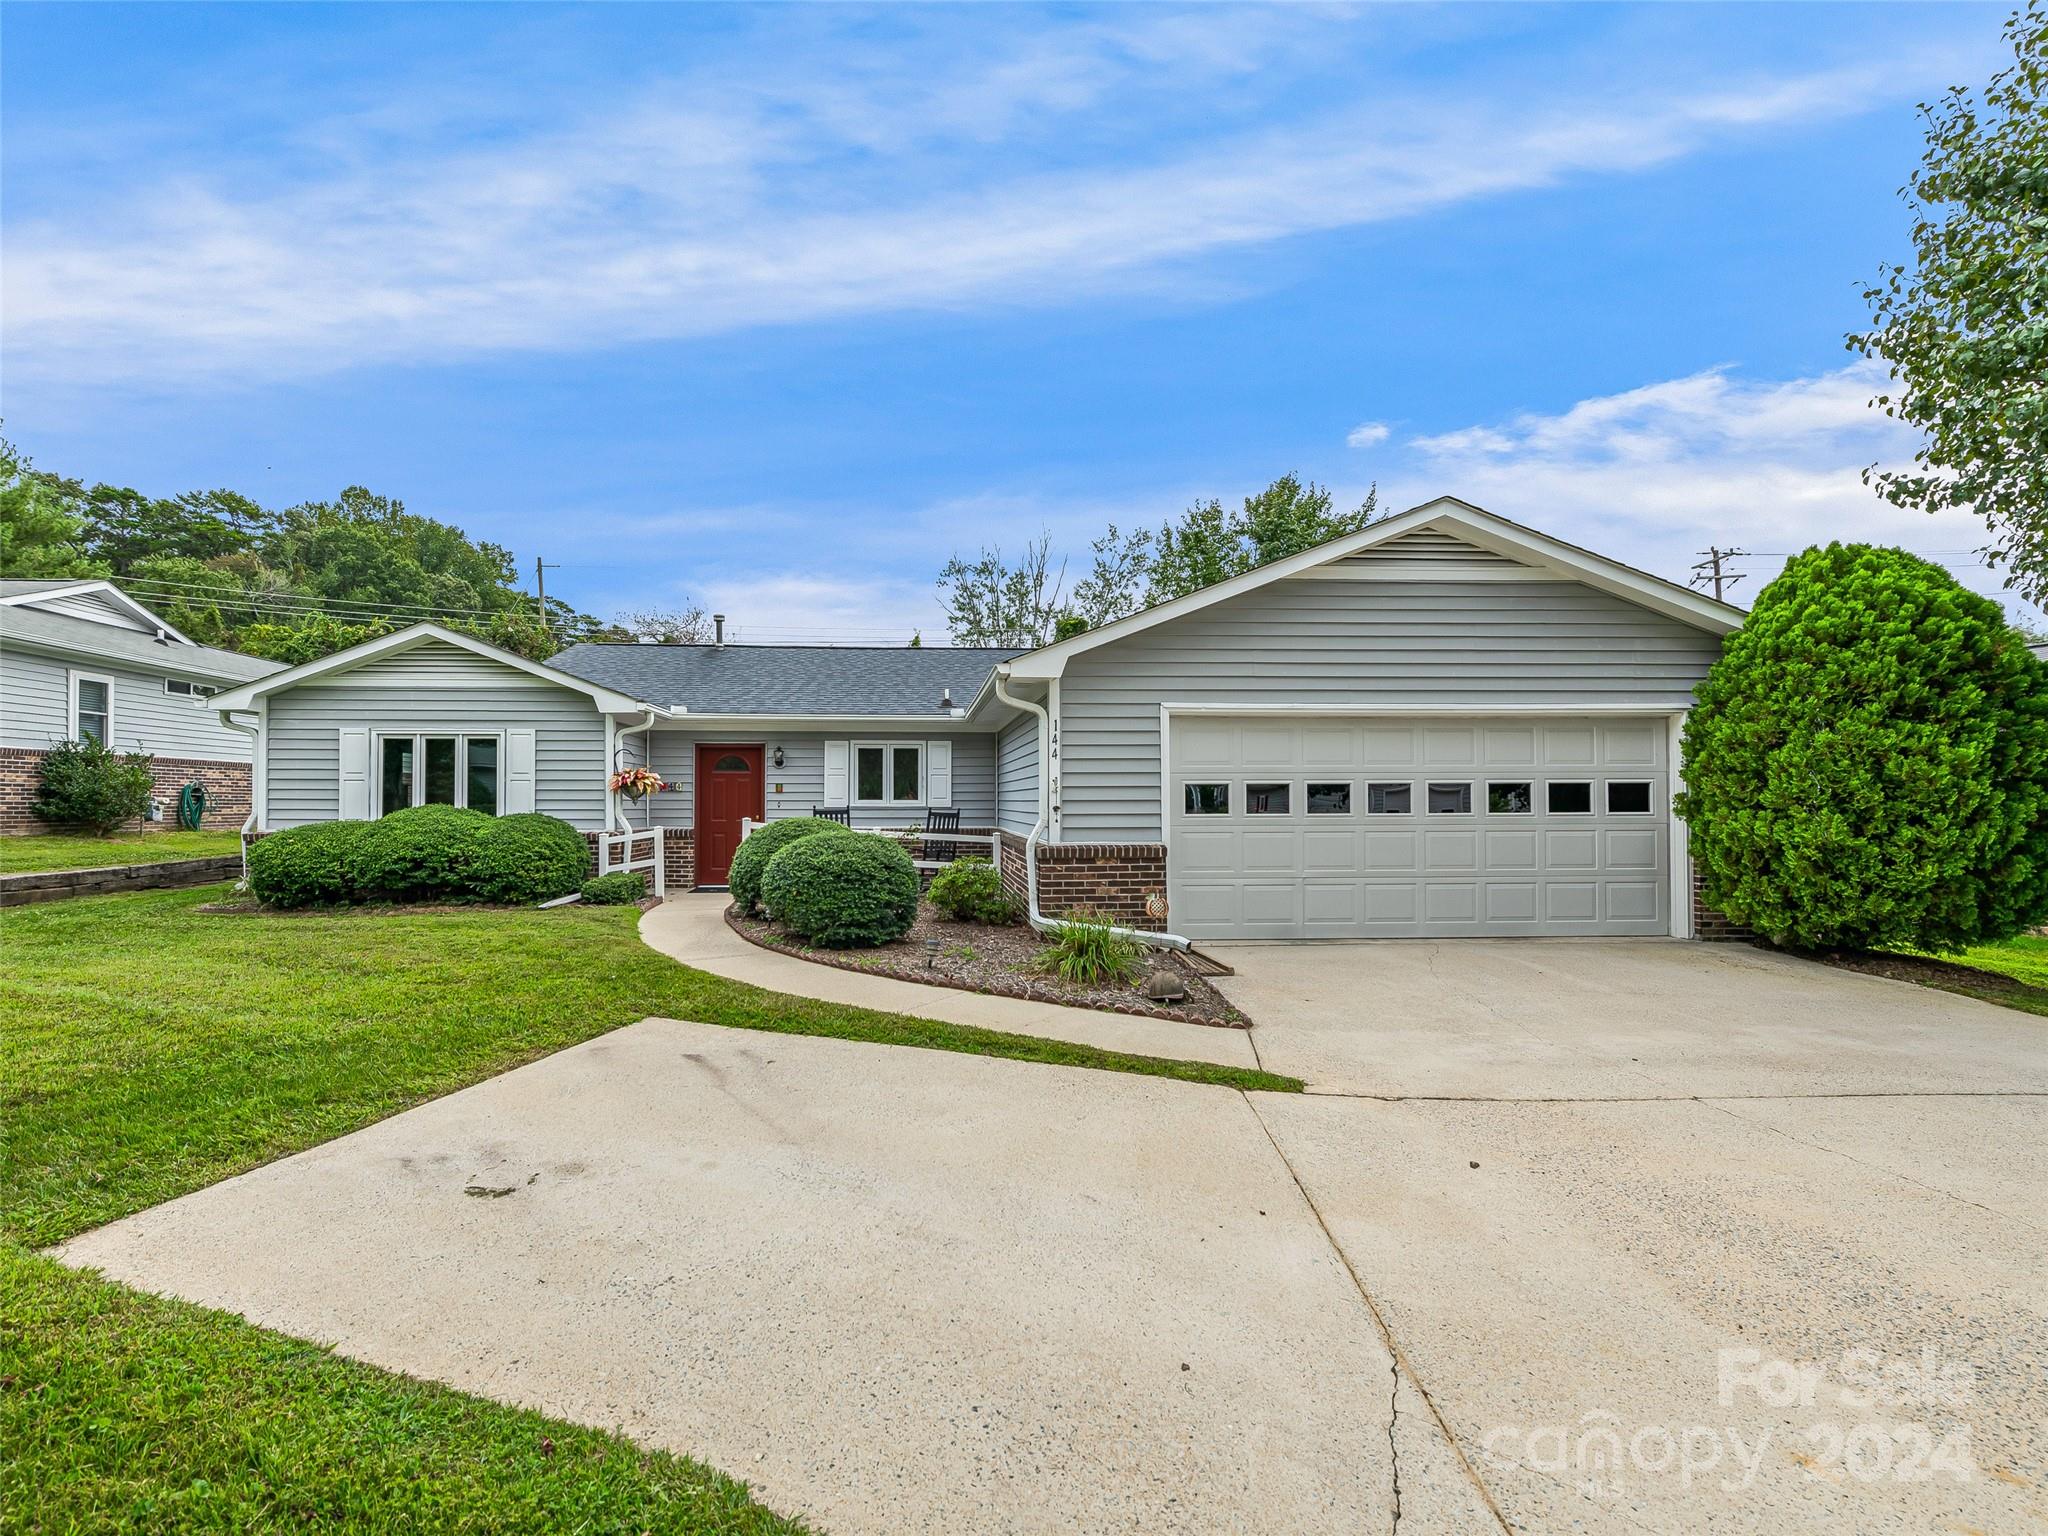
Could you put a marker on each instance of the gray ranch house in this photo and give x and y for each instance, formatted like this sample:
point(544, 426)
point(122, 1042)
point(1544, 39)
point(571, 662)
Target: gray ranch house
point(83, 659)
point(1445, 724)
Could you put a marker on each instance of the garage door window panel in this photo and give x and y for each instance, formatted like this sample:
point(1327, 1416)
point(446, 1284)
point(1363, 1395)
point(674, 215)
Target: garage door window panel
point(1628, 797)
point(1569, 797)
point(1389, 799)
point(1206, 799)
point(1447, 799)
point(1510, 799)
point(1329, 799)
point(1266, 799)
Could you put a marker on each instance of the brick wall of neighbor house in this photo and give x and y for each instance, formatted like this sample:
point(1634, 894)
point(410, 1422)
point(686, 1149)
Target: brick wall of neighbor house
point(1010, 863)
point(1110, 878)
point(1709, 924)
point(226, 785)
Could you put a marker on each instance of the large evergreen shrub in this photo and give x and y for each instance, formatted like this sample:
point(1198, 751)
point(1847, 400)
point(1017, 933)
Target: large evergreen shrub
point(750, 859)
point(848, 892)
point(1867, 763)
point(83, 784)
point(423, 853)
point(528, 857)
point(306, 866)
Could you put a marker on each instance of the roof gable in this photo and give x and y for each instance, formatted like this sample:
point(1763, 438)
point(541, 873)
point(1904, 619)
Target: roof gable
point(91, 601)
point(1503, 549)
point(421, 637)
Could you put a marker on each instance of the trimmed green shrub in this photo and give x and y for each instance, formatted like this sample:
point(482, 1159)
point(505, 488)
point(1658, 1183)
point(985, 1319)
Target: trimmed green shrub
point(528, 857)
point(617, 889)
point(1867, 763)
point(82, 784)
point(971, 890)
point(750, 859)
point(306, 866)
point(849, 892)
point(1089, 952)
point(424, 853)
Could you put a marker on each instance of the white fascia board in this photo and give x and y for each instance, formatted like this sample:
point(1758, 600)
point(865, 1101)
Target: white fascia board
point(1483, 528)
point(401, 641)
point(99, 588)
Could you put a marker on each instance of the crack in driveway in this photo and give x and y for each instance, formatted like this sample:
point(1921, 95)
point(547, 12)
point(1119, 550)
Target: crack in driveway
point(1397, 1357)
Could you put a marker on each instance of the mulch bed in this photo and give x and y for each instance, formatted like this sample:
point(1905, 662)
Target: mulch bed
point(976, 958)
point(1924, 970)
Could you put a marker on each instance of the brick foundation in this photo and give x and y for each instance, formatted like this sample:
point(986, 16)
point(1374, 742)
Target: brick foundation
point(1711, 925)
point(1112, 879)
point(226, 785)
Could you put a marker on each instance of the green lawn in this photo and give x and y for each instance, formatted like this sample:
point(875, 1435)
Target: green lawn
point(33, 855)
point(2024, 959)
point(148, 1049)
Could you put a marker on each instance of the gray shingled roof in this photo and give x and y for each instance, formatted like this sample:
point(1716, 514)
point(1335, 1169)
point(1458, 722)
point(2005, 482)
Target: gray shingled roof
point(82, 637)
point(787, 679)
point(18, 586)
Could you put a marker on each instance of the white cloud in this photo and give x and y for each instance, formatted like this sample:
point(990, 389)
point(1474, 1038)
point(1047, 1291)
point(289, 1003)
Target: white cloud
point(1368, 434)
point(1654, 476)
point(814, 191)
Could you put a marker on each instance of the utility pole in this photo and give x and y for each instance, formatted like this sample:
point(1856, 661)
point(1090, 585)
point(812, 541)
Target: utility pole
point(1709, 569)
point(540, 587)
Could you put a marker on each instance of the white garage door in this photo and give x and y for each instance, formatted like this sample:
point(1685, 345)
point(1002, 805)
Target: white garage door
point(1332, 828)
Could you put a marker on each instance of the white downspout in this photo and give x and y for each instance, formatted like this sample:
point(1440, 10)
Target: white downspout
point(257, 787)
point(1037, 918)
point(618, 817)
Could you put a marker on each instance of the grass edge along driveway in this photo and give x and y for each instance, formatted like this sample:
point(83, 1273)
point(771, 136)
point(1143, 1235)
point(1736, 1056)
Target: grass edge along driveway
point(148, 1049)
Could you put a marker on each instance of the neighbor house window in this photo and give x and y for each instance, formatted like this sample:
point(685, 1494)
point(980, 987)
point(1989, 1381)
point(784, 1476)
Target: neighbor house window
point(1569, 797)
point(1206, 799)
point(1510, 799)
point(888, 772)
point(438, 770)
point(188, 690)
point(1629, 797)
point(1450, 799)
point(1389, 799)
point(1266, 799)
point(92, 709)
point(1329, 799)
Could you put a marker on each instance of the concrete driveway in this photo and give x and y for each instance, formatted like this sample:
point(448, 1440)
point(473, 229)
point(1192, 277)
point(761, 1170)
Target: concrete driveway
point(1575, 1237)
point(1662, 1190)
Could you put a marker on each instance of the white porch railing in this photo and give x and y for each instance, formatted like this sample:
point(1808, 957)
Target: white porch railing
point(917, 835)
point(620, 853)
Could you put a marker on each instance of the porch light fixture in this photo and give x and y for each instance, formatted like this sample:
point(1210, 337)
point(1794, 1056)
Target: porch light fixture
point(779, 758)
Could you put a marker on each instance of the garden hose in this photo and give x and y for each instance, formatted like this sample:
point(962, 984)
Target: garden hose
point(192, 806)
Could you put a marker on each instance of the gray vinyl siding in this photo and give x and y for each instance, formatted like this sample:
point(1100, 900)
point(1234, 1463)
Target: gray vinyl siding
point(1017, 776)
point(426, 691)
point(35, 710)
point(799, 785)
point(1350, 645)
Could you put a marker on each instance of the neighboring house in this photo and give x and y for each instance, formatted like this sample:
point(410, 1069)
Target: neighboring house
point(2039, 648)
point(83, 659)
point(1443, 724)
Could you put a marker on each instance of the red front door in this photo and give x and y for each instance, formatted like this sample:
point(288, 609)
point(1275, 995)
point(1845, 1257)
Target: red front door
point(729, 788)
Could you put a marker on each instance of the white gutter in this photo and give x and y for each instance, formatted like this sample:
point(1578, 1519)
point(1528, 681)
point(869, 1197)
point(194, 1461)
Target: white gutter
point(255, 792)
point(1037, 918)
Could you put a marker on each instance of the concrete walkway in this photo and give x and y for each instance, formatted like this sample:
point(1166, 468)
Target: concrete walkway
point(692, 928)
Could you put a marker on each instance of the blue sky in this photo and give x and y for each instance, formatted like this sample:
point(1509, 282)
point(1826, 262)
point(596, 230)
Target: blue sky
point(775, 308)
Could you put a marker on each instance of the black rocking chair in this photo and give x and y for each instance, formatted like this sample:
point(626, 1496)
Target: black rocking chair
point(843, 814)
point(941, 821)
